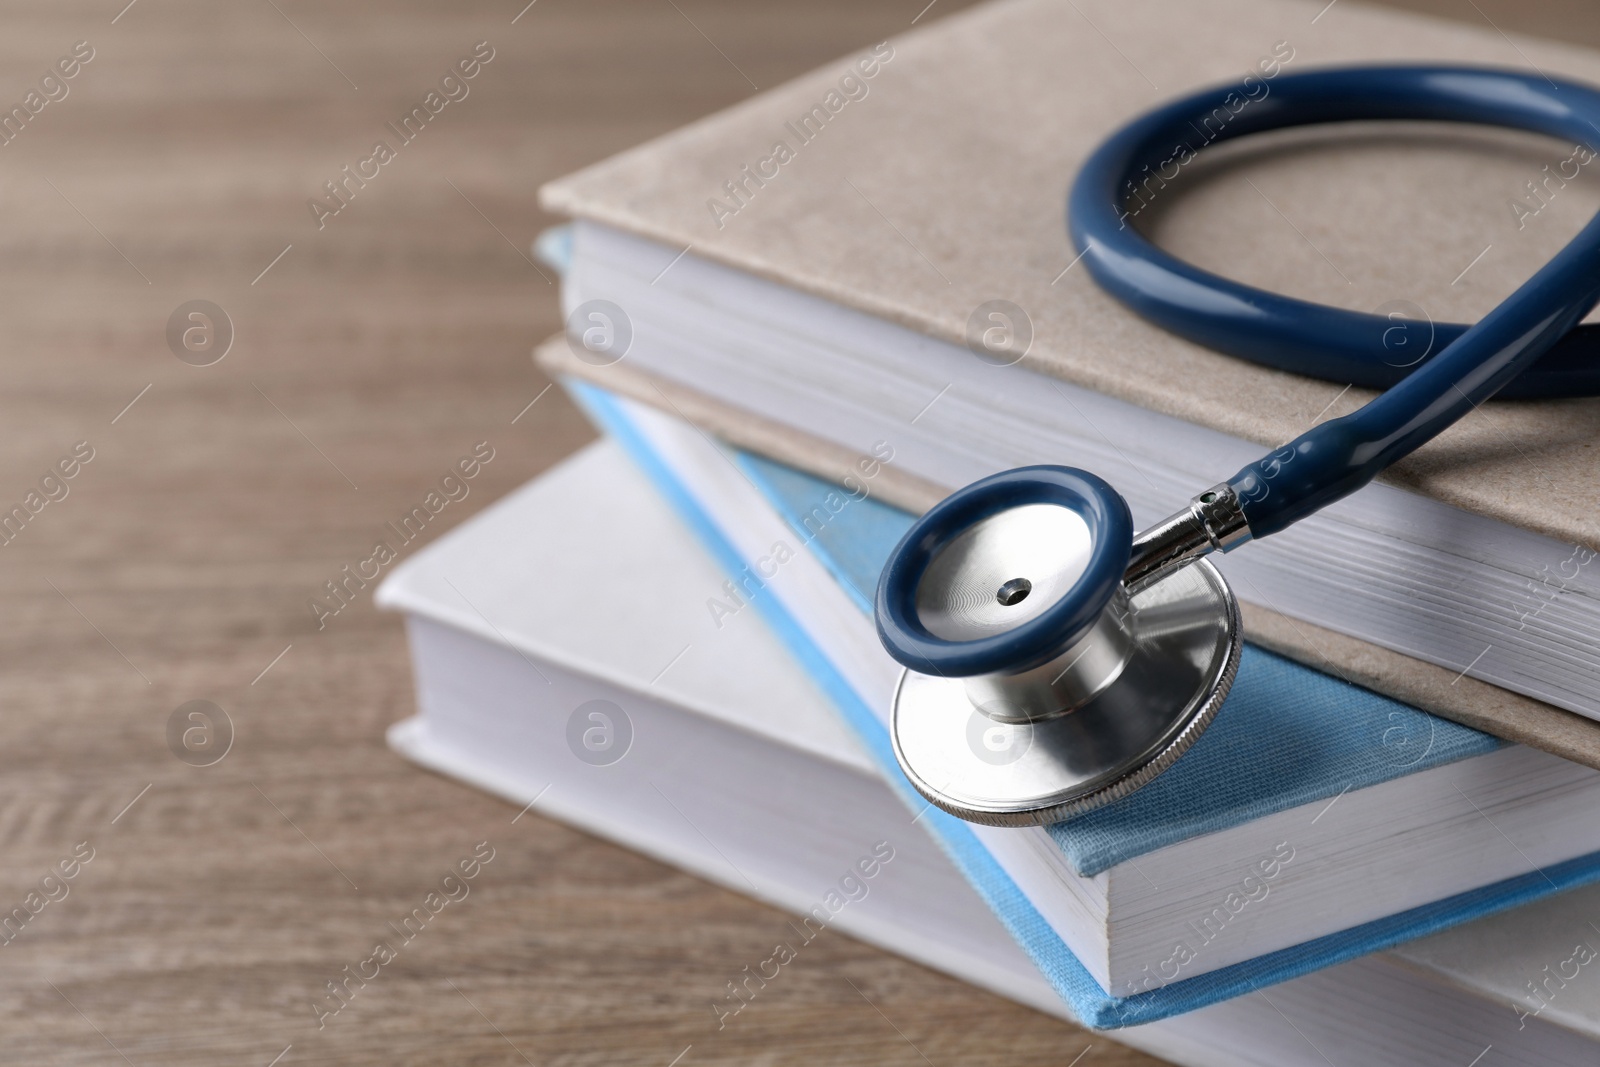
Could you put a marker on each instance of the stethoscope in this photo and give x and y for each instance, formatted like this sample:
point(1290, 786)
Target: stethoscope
point(1055, 661)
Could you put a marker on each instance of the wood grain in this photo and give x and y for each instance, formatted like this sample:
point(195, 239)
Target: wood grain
point(368, 357)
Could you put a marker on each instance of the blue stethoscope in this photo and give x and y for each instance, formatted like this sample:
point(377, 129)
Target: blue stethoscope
point(1056, 661)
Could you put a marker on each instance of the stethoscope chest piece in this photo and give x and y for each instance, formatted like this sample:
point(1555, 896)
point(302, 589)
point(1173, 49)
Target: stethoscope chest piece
point(1039, 683)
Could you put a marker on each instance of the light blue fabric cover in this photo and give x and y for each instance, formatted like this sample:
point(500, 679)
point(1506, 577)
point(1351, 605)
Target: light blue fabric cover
point(1288, 735)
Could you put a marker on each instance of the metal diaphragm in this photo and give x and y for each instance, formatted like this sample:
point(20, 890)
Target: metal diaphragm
point(987, 757)
point(1054, 661)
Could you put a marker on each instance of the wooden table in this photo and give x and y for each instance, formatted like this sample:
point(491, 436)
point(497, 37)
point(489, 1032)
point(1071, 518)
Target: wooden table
point(367, 355)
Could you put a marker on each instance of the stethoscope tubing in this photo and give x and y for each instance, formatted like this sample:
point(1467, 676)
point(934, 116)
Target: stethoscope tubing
point(1527, 347)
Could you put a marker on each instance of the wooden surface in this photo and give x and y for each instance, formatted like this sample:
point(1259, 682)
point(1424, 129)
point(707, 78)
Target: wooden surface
point(371, 355)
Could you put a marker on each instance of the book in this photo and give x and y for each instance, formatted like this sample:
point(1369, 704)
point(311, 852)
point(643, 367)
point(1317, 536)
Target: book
point(1313, 823)
point(738, 770)
point(840, 299)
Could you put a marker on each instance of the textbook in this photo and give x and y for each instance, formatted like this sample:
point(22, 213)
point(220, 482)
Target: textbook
point(695, 720)
point(1314, 821)
point(876, 252)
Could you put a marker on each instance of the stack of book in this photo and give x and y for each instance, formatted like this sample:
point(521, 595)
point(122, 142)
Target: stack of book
point(802, 320)
point(603, 692)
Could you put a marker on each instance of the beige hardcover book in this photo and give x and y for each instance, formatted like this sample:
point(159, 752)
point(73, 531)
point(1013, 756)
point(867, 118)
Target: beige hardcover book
point(935, 180)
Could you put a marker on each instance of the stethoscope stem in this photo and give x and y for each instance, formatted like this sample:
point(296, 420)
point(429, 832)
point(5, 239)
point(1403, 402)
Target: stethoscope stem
point(1213, 522)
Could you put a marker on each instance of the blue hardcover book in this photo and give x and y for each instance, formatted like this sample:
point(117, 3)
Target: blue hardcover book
point(1314, 822)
